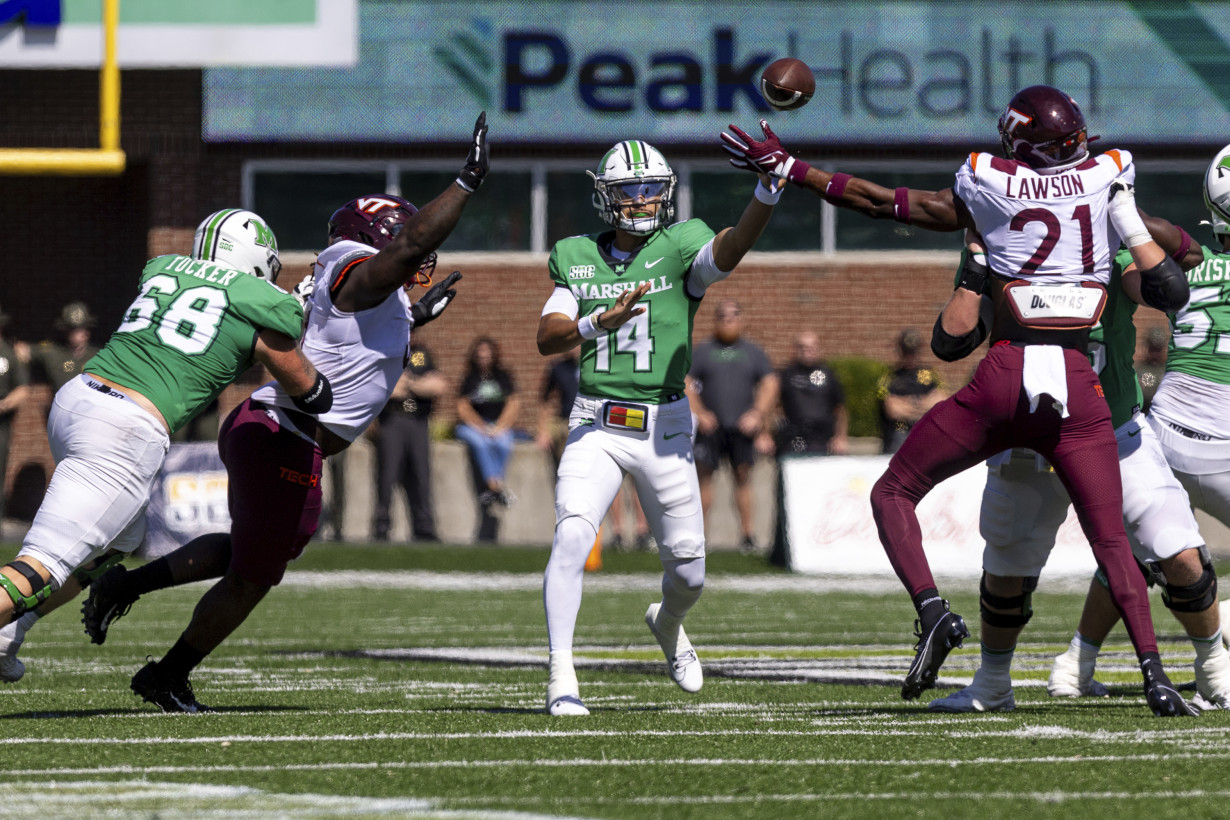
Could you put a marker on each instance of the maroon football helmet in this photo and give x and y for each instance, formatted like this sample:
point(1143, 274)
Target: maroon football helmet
point(1044, 128)
point(375, 220)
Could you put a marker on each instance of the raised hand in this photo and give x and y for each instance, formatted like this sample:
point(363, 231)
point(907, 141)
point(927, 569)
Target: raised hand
point(478, 160)
point(625, 308)
point(765, 156)
point(435, 300)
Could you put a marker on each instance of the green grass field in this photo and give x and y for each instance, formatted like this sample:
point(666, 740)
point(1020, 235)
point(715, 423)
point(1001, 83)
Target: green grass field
point(409, 682)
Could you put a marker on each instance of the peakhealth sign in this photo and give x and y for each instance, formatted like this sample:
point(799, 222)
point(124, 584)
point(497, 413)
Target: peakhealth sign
point(593, 72)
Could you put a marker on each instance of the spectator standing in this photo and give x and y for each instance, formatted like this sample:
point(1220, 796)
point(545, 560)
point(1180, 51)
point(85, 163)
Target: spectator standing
point(733, 389)
point(403, 445)
point(814, 417)
point(14, 389)
point(906, 393)
point(57, 363)
point(487, 407)
point(1151, 368)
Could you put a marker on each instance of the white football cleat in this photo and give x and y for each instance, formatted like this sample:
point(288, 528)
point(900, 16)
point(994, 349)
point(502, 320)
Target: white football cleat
point(1073, 678)
point(12, 637)
point(977, 697)
point(1213, 680)
point(681, 660)
point(567, 706)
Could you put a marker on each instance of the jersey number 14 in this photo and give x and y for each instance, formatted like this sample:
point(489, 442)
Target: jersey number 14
point(631, 338)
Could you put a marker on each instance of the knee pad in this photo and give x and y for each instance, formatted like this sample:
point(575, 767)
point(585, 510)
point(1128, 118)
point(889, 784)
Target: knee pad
point(580, 508)
point(1196, 597)
point(987, 600)
point(687, 573)
point(40, 590)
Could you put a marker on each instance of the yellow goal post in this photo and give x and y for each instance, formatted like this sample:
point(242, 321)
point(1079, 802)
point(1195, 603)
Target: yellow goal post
point(105, 160)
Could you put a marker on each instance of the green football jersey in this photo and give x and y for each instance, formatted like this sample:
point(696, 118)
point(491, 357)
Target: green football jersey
point(648, 357)
point(191, 332)
point(1200, 331)
point(1112, 346)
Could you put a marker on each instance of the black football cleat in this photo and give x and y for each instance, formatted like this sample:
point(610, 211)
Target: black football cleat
point(168, 694)
point(931, 650)
point(1161, 695)
point(103, 605)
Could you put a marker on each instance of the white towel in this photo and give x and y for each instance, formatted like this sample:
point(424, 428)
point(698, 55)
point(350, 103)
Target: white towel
point(1046, 373)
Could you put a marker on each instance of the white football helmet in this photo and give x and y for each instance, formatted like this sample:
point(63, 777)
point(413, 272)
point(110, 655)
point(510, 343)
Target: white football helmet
point(633, 169)
point(240, 239)
point(1217, 192)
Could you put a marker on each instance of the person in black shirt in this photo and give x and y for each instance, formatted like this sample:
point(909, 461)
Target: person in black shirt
point(403, 446)
point(487, 408)
point(813, 401)
point(907, 392)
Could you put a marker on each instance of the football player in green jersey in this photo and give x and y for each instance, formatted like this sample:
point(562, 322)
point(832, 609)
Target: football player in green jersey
point(628, 297)
point(1194, 437)
point(198, 322)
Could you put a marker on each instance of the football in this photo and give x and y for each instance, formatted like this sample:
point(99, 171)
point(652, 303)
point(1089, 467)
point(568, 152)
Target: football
point(787, 84)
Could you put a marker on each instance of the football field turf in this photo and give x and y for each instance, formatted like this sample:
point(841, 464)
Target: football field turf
point(409, 682)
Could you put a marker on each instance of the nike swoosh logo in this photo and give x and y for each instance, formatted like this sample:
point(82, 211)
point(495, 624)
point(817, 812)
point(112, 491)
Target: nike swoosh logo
point(1135, 432)
point(649, 265)
point(673, 435)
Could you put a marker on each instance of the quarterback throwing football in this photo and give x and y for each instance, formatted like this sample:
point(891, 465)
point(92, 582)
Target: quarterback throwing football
point(628, 298)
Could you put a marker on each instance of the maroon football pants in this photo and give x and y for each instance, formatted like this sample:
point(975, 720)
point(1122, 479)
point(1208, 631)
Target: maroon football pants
point(989, 415)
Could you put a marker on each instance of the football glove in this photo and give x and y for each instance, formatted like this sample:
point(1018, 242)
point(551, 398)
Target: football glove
point(763, 157)
point(478, 160)
point(435, 300)
point(303, 290)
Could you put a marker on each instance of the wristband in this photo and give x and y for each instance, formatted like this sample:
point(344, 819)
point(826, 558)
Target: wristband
point(835, 188)
point(768, 197)
point(901, 205)
point(1185, 244)
point(798, 172)
point(589, 328)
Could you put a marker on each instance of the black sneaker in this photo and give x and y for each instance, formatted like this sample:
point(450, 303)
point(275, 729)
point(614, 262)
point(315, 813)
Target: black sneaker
point(103, 606)
point(931, 650)
point(167, 694)
point(1160, 693)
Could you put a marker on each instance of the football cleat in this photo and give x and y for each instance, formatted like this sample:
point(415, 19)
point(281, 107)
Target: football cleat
point(979, 696)
point(167, 694)
point(681, 660)
point(931, 651)
point(1160, 693)
point(1213, 680)
point(11, 639)
point(1223, 612)
point(11, 668)
point(1072, 678)
point(567, 706)
point(102, 607)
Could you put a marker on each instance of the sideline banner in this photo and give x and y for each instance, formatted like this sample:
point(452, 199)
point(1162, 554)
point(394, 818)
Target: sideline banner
point(830, 531)
point(189, 499)
point(890, 73)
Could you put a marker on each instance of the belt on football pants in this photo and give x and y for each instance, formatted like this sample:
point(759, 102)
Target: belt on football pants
point(1192, 434)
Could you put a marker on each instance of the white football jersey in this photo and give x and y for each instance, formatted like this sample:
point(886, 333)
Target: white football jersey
point(1045, 227)
point(361, 354)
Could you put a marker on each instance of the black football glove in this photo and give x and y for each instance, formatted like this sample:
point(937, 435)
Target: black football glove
point(478, 160)
point(435, 300)
point(1160, 693)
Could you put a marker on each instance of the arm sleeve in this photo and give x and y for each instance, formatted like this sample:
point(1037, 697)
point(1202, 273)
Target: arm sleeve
point(704, 272)
point(562, 301)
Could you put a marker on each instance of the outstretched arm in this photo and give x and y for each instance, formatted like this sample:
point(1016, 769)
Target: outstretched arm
point(1159, 281)
point(309, 389)
point(374, 279)
point(732, 244)
point(933, 210)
